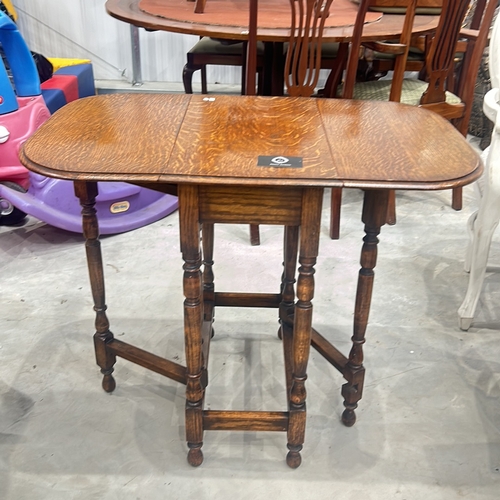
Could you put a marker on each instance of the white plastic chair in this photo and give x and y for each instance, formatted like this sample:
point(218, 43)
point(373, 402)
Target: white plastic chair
point(482, 224)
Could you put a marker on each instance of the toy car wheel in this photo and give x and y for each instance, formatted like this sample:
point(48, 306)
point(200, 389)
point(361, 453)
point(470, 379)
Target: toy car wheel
point(9, 214)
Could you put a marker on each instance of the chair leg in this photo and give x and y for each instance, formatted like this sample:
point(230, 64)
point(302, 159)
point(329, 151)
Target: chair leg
point(484, 227)
point(391, 208)
point(254, 228)
point(244, 67)
point(204, 89)
point(254, 235)
point(335, 76)
point(260, 82)
point(187, 78)
point(456, 198)
point(335, 203)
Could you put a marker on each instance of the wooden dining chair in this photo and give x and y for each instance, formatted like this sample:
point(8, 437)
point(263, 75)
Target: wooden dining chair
point(211, 51)
point(381, 64)
point(378, 65)
point(303, 55)
point(305, 58)
point(218, 52)
point(448, 88)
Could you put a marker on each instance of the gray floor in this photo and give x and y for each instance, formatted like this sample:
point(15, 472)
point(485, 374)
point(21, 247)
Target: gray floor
point(428, 424)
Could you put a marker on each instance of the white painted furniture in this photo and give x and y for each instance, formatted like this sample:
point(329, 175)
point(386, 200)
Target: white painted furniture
point(482, 224)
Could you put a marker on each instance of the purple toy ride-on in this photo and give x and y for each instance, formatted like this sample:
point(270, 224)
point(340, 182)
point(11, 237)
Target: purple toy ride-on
point(120, 206)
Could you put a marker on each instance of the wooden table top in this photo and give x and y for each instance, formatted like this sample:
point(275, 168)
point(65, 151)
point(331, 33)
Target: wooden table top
point(179, 138)
point(271, 13)
point(228, 23)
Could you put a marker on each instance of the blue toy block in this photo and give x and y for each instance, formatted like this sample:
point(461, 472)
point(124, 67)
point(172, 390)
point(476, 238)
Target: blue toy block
point(85, 77)
point(54, 99)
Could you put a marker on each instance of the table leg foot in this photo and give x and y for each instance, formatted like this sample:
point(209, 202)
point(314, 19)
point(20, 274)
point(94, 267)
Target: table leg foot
point(108, 382)
point(464, 323)
point(104, 357)
point(349, 417)
point(293, 458)
point(352, 395)
point(195, 455)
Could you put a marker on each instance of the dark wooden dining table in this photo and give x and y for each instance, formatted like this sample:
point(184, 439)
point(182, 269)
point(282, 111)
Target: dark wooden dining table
point(229, 19)
point(248, 159)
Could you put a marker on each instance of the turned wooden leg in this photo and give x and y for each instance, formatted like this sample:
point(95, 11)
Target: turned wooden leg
point(87, 192)
point(207, 240)
point(309, 242)
point(290, 248)
point(374, 217)
point(193, 319)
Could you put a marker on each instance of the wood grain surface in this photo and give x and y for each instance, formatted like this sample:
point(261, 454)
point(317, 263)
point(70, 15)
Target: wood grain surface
point(271, 13)
point(389, 25)
point(218, 140)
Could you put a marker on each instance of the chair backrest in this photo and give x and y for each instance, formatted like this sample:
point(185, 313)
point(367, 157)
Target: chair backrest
point(308, 17)
point(303, 59)
point(476, 36)
point(441, 67)
point(399, 48)
point(441, 54)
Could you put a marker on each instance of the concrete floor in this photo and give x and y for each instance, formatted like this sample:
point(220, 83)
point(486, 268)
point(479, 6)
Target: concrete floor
point(428, 425)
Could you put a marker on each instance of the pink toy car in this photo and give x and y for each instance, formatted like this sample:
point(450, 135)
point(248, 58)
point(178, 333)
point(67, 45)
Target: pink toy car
point(120, 206)
point(15, 128)
point(22, 111)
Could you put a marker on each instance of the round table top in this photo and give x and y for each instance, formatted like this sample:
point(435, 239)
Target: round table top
point(178, 16)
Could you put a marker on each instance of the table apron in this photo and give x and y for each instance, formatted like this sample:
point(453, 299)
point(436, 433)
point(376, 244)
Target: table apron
point(250, 204)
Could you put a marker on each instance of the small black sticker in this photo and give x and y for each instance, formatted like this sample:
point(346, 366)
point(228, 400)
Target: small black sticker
point(280, 161)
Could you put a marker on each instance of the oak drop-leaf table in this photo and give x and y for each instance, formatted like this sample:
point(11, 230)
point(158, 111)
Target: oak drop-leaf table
point(258, 160)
